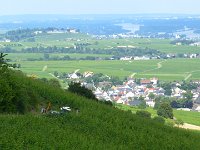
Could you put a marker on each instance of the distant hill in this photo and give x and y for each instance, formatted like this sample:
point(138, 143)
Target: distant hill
point(96, 126)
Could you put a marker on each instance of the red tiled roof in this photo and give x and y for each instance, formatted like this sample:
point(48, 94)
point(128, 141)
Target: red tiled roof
point(145, 81)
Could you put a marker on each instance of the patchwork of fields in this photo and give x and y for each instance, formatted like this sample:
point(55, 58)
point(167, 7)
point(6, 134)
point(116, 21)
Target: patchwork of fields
point(168, 70)
point(68, 40)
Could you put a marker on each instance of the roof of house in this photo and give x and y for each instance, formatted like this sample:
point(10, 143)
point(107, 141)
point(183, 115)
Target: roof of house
point(135, 103)
point(145, 81)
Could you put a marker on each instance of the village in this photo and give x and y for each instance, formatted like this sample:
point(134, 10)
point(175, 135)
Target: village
point(137, 92)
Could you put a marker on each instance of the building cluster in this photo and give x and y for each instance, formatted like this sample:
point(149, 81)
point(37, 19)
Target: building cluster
point(131, 92)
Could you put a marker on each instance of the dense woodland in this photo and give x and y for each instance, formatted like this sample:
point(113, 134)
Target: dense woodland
point(96, 126)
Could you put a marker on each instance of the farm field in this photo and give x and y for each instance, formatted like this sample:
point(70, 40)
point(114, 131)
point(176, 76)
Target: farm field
point(162, 45)
point(187, 117)
point(69, 39)
point(167, 70)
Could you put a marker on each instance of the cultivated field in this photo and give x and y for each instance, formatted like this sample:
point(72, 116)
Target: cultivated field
point(168, 70)
point(69, 39)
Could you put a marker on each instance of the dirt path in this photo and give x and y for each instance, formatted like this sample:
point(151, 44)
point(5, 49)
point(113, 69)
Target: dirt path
point(190, 126)
point(132, 75)
point(187, 77)
point(159, 65)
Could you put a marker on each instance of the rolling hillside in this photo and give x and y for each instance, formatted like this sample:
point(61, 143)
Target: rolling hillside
point(96, 126)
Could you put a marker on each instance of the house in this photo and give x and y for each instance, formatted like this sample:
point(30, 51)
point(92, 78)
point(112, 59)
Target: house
point(145, 82)
point(37, 32)
point(154, 81)
point(193, 56)
point(104, 84)
point(150, 103)
point(197, 109)
point(73, 76)
point(126, 58)
point(141, 58)
point(184, 109)
point(130, 95)
point(73, 30)
point(197, 101)
point(134, 103)
point(195, 44)
point(88, 74)
point(7, 40)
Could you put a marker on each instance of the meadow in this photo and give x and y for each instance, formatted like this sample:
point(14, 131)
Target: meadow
point(167, 70)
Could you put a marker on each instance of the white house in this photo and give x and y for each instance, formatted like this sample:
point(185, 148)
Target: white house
point(74, 76)
point(130, 95)
point(150, 103)
point(198, 109)
point(184, 109)
point(126, 58)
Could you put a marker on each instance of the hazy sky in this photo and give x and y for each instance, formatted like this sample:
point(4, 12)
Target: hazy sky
point(8, 7)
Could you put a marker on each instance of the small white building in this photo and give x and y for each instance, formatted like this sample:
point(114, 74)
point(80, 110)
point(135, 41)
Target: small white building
point(130, 95)
point(154, 81)
point(74, 76)
point(198, 109)
point(126, 58)
point(184, 109)
point(150, 103)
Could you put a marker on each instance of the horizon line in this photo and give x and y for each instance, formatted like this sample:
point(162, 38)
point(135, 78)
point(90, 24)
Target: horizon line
point(102, 14)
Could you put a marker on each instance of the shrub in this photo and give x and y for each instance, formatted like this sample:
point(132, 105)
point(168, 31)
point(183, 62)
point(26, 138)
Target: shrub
point(144, 114)
point(159, 119)
point(179, 122)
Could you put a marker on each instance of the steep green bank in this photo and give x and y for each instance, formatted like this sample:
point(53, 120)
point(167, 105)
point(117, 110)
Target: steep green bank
point(96, 126)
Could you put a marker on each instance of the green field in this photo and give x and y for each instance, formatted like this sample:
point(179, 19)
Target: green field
point(187, 117)
point(162, 45)
point(168, 70)
point(69, 39)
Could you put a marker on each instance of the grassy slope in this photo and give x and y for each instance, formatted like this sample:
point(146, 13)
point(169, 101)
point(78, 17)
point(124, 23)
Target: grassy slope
point(97, 126)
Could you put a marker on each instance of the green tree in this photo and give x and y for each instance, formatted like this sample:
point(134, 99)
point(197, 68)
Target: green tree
point(188, 95)
point(159, 119)
point(54, 83)
point(165, 110)
point(46, 56)
point(151, 96)
point(3, 63)
point(81, 90)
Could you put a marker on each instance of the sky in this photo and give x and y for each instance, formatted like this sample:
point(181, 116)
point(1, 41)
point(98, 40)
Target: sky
point(16, 7)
